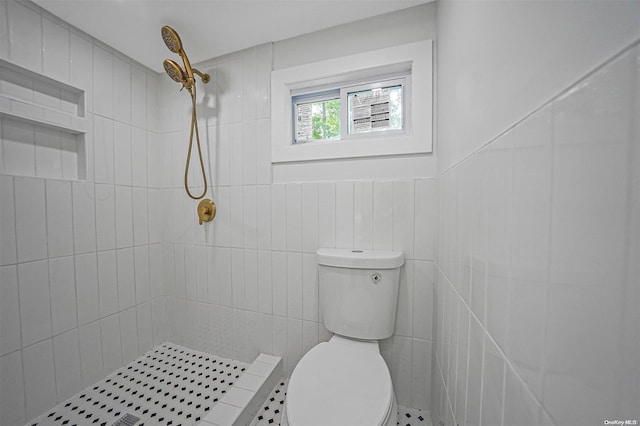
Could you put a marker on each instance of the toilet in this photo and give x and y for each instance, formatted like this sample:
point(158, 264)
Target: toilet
point(345, 381)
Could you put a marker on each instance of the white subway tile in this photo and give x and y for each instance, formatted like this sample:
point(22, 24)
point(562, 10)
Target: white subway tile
point(263, 148)
point(145, 327)
point(55, 51)
point(39, 378)
point(48, 155)
point(310, 220)
point(103, 85)
point(492, 385)
point(87, 292)
point(153, 93)
point(66, 352)
point(35, 312)
point(265, 292)
point(31, 232)
point(326, 215)
point(278, 217)
point(237, 278)
point(263, 217)
point(90, 353)
point(264, 65)
point(18, 148)
point(9, 312)
point(103, 149)
point(235, 88)
point(76, 156)
point(141, 214)
point(294, 285)
point(249, 153)
point(294, 343)
point(25, 36)
point(239, 335)
point(9, 253)
point(401, 369)
point(124, 217)
point(81, 71)
point(223, 154)
point(249, 81)
point(154, 155)
point(250, 220)
point(294, 216)
point(154, 203)
point(84, 217)
point(404, 316)
point(213, 276)
point(309, 336)
point(122, 90)
point(190, 271)
point(363, 215)
point(403, 217)
point(122, 153)
point(105, 217)
point(279, 283)
point(107, 283)
point(236, 216)
point(141, 265)
point(474, 376)
point(224, 261)
point(423, 306)
point(265, 338)
point(59, 218)
point(236, 153)
point(251, 272)
point(12, 389)
point(155, 270)
point(309, 287)
point(63, 294)
point(111, 345)
point(138, 97)
point(139, 157)
point(129, 335)
point(425, 217)
point(421, 375)
point(126, 280)
point(344, 215)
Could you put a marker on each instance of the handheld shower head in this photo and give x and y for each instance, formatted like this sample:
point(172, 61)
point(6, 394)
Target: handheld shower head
point(171, 39)
point(174, 71)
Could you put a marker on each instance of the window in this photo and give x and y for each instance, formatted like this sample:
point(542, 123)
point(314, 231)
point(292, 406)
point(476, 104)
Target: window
point(376, 107)
point(376, 103)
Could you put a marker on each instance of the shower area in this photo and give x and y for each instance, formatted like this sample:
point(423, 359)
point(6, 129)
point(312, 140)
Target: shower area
point(518, 299)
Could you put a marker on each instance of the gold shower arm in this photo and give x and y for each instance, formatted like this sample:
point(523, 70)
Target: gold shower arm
point(204, 76)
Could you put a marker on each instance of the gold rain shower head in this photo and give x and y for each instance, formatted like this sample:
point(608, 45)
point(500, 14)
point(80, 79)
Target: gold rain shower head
point(171, 39)
point(174, 71)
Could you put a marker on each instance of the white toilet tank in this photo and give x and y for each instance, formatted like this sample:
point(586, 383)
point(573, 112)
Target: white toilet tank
point(359, 291)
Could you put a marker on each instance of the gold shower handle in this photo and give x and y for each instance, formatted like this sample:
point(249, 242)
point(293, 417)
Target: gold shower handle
point(206, 211)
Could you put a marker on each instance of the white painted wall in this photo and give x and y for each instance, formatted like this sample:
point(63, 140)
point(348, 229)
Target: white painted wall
point(536, 270)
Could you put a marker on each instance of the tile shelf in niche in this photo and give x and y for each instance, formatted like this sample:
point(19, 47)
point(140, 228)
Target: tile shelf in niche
point(43, 125)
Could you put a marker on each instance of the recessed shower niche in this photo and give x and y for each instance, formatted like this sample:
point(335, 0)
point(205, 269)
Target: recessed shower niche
point(42, 125)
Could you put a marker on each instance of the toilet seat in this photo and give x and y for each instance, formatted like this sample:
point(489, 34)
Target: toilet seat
point(341, 382)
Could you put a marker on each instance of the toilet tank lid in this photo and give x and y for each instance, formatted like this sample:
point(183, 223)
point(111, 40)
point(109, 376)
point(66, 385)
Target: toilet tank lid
point(360, 259)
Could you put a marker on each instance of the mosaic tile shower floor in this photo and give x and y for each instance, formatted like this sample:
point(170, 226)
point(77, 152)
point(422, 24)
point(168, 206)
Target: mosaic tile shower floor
point(169, 385)
point(271, 411)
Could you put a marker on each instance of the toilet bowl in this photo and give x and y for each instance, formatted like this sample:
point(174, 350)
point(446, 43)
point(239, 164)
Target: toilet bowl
point(345, 381)
point(342, 382)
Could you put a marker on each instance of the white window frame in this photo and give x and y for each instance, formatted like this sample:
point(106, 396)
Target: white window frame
point(414, 60)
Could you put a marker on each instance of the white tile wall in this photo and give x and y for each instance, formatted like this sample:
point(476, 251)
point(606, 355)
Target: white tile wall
point(122, 261)
point(63, 281)
point(262, 243)
point(551, 230)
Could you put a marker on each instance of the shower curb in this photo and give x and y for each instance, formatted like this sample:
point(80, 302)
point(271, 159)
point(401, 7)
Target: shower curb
point(241, 403)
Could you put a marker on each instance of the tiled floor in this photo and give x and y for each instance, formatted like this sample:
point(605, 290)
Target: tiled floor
point(271, 411)
point(169, 385)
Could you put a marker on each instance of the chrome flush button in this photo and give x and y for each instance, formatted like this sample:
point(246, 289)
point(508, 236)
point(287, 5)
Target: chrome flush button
point(375, 278)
